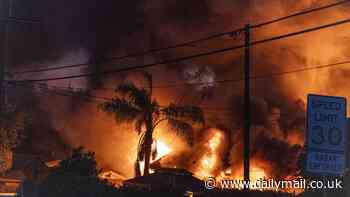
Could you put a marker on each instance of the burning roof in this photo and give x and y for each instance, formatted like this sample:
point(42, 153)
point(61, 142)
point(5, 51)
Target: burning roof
point(167, 179)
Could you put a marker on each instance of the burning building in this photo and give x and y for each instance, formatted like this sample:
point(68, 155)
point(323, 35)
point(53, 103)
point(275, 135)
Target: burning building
point(278, 101)
point(167, 179)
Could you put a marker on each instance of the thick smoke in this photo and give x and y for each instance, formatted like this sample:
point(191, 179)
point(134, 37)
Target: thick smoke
point(278, 105)
point(99, 28)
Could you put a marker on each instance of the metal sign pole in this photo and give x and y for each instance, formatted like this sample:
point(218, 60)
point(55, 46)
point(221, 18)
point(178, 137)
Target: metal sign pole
point(324, 193)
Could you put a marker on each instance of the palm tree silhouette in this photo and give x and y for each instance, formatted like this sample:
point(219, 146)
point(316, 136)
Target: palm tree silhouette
point(136, 105)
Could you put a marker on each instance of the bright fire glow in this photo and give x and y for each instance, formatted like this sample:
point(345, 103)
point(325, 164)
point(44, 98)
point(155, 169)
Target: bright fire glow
point(162, 149)
point(208, 161)
point(214, 142)
point(8, 194)
point(257, 173)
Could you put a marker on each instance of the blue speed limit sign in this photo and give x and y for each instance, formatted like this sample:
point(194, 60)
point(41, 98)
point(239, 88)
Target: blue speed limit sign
point(326, 134)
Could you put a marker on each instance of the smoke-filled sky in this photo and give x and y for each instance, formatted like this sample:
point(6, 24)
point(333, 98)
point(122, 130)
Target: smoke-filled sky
point(78, 31)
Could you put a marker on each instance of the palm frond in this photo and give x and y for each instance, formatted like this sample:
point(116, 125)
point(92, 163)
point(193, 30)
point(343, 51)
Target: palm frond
point(149, 81)
point(123, 110)
point(155, 111)
point(137, 168)
point(141, 147)
point(140, 155)
point(138, 96)
point(139, 123)
point(154, 153)
point(183, 128)
point(191, 114)
point(181, 119)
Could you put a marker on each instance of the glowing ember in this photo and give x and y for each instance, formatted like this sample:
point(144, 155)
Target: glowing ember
point(112, 177)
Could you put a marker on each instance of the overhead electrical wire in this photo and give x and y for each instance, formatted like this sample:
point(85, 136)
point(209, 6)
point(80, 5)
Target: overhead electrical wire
point(112, 71)
point(20, 20)
point(331, 5)
point(261, 76)
point(188, 43)
point(93, 98)
point(185, 44)
point(63, 90)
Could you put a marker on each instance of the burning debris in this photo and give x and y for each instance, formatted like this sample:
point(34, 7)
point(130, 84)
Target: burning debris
point(278, 103)
point(112, 177)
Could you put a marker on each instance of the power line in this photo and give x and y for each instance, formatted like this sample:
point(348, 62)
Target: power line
point(20, 20)
point(51, 68)
point(224, 81)
point(271, 75)
point(106, 72)
point(61, 91)
point(263, 76)
point(185, 44)
point(301, 70)
point(341, 22)
point(300, 13)
point(92, 98)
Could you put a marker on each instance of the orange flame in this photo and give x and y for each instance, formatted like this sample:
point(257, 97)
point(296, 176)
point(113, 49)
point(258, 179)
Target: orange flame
point(209, 160)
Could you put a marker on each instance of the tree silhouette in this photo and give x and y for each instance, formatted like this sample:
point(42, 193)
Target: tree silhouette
point(136, 105)
point(76, 176)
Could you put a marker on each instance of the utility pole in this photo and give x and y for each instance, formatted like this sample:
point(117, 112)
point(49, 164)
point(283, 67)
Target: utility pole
point(247, 118)
point(5, 55)
point(4, 61)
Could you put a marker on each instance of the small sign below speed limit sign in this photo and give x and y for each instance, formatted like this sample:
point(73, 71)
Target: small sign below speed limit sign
point(326, 135)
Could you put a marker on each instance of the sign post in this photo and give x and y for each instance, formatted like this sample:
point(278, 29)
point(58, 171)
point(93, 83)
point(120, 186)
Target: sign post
point(326, 135)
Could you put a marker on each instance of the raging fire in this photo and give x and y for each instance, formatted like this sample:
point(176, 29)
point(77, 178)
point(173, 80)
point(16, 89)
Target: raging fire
point(278, 103)
point(209, 159)
point(162, 149)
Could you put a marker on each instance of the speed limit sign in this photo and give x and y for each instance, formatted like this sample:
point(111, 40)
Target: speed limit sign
point(326, 134)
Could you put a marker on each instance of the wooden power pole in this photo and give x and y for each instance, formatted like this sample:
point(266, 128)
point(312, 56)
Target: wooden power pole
point(5, 55)
point(247, 117)
point(6, 20)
